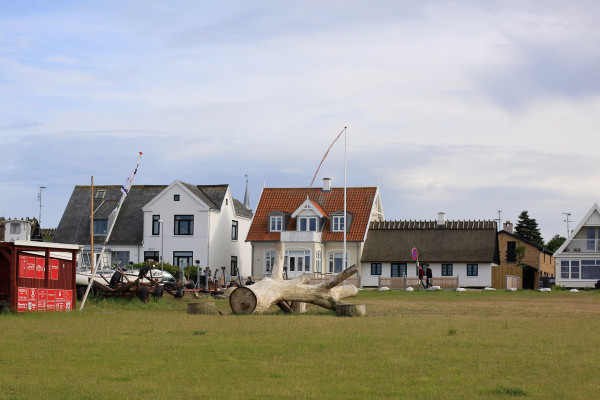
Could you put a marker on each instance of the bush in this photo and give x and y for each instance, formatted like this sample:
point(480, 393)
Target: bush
point(558, 288)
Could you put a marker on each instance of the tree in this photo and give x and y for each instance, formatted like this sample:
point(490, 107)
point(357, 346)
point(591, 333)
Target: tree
point(554, 243)
point(527, 229)
point(520, 252)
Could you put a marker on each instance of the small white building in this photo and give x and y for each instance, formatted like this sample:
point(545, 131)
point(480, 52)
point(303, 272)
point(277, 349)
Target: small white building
point(578, 259)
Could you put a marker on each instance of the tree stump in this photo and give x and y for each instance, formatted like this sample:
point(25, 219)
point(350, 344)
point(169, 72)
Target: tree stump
point(298, 307)
point(277, 291)
point(201, 308)
point(350, 310)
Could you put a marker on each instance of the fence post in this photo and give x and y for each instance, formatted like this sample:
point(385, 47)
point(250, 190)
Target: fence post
point(379, 278)
point(404, 281)
point(506, 282)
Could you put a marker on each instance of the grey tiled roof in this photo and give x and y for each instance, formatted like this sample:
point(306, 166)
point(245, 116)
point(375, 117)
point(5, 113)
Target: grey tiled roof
point(74, 226)
point(216, 193)
point(240, 210)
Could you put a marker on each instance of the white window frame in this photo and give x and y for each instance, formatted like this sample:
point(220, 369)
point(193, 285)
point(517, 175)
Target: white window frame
point(336, 221)
point(273, 221)
point(15, 228)
point(319, 262)
point(331, 260)
point(269, 256)
point(307, 220)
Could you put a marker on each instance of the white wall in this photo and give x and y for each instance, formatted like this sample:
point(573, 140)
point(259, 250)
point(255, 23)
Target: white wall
point(25, 233)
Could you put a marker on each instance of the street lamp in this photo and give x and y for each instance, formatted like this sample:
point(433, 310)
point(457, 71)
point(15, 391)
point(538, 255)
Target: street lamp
point(162, 244)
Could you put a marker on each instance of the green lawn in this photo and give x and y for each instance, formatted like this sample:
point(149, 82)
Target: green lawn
point(419, 345)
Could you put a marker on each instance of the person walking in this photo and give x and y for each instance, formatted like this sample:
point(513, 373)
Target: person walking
point(421, 275)
point(429, 276)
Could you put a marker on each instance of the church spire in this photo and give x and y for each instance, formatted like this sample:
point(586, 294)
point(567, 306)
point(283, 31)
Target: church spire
point(247, 196)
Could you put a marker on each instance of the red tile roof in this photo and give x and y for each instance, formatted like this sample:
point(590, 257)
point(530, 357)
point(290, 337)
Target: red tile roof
point(359, 203)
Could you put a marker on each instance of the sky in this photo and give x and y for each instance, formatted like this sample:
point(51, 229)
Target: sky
point(463, 107)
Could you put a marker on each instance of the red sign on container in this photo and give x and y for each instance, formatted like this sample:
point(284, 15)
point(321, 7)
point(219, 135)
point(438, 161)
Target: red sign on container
point(42, 294)
point(22, 294)
point(60, 306)
point(54, 270)
point(51, 294)
point(22, 266)
point(32, 305)
point(31, 267)
point(60, 294)
point(50, 306)
point(41, 305)
point(40, 267)
point(21, 306)
point(68, 295)
point(32, 294)
point(67, 306)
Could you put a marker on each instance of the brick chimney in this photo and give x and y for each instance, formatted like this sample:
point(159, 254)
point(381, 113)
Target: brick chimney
point(508, 227)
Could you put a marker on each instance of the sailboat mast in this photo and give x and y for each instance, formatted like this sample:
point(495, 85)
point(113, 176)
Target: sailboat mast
point(92, 230)
point(344, 263)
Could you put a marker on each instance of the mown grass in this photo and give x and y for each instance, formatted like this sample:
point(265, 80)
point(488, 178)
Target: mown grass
point(419, 345)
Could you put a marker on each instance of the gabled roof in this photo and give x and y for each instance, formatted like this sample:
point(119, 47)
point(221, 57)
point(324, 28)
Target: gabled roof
point(458, 241)
point(241, 210)
point(580, 225)
point(309, 204)
point(540, 248)
point(359, 202)
point(74, 226)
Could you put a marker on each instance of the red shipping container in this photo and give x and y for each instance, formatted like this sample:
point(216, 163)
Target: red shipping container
point(31, 267)
point(51, 295)
point(40, 267)
point(60, 294)
point(32, 294)
point(22, 266)
point(60, 306)
point(54, 270)
point(41, 305)
point(22, 294)
point(21, 306)
point(42, 294)
point(32, 305)
point(50, 306)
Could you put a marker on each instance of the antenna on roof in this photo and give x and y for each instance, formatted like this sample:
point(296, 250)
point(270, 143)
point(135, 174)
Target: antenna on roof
point(499, 218)
point(568, 214)
point(40, 200)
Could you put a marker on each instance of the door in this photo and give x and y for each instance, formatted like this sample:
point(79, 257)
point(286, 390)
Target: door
point(298, 263)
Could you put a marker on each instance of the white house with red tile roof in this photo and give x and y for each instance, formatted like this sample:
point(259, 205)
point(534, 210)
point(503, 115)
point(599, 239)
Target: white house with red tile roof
point(311, 224)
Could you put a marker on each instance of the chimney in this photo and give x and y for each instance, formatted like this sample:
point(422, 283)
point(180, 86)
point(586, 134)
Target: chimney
point(326, 184)
point(508, 227)
point(441, 220)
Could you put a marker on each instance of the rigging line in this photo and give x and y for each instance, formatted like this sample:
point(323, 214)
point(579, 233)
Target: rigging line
point(327, 152)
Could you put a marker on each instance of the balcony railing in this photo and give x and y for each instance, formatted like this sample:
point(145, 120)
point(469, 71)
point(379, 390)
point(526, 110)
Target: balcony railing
point(583, 246)
point(296, 236)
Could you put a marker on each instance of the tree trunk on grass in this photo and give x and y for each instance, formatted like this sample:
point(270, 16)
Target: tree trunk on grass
point(269, 291)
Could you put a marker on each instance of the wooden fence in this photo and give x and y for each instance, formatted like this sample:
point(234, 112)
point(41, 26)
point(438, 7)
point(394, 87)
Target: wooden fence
point(500, 272)
point(444, 282)
point(514, 282)
point(353, 280)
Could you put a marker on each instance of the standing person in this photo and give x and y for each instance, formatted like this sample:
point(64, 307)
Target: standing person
point(421, 275)
point(429, 276)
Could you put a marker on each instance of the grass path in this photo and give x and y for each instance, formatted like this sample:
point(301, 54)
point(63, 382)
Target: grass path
point(420, 345)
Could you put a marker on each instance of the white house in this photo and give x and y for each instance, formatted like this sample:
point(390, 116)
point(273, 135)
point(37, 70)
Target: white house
point(578, 259)
point(180, 222)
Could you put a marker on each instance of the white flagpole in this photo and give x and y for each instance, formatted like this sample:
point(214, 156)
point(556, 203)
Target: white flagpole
point(345, 221)
point(125, 190)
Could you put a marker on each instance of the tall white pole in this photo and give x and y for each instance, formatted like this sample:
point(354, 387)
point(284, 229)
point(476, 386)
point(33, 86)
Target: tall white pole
point(345, 222)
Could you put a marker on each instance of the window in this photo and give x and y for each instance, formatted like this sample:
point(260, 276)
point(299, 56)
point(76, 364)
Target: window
point(447, 269)
point(472, 269)
point(121, 258)
point(375, 268)
point(234, 230)
point(175, 197)
point(100, 226)
point(335, 262)
point(398, 269)
point(296, 262)
point(269, 261)
point(511, 252)
point(15, 228)
point(151, 256)
point(182, 259)
point(155, 225)
point(307, 224)
point(338, 224)
point(184, 225)
point(319, 263)
point(276, 223)
point(564, 269)
point(233, 265)
point(591, 239)
point(590, 269)
point(574, 269)
point(226, 202)
point(100, 194)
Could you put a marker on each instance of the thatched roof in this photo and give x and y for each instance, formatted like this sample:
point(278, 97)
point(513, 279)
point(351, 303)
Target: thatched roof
point(457, 241)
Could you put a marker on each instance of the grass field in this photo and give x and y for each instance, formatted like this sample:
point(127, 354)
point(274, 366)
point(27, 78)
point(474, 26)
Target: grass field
point(419, 345)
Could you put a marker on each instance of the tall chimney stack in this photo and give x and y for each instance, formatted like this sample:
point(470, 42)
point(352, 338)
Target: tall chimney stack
point(326, 184)
point(508, 227)
point(441, 222)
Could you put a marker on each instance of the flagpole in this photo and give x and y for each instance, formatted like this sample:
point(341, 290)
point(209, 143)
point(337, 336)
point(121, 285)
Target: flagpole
point(344, 262)
point(125, 190)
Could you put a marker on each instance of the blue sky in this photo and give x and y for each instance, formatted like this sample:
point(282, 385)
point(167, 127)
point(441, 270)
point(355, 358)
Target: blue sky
point(465, 107)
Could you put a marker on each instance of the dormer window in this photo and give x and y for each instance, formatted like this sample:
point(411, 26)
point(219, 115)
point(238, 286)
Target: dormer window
point(308, 224)
point(276, 222)
point(337, 224)
point(100, 194)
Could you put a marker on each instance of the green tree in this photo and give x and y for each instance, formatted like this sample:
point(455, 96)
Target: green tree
point(554, 243)
point(527, 229)
point(520, 252)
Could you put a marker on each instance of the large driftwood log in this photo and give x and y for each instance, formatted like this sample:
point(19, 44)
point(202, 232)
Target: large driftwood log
point(261, 296)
